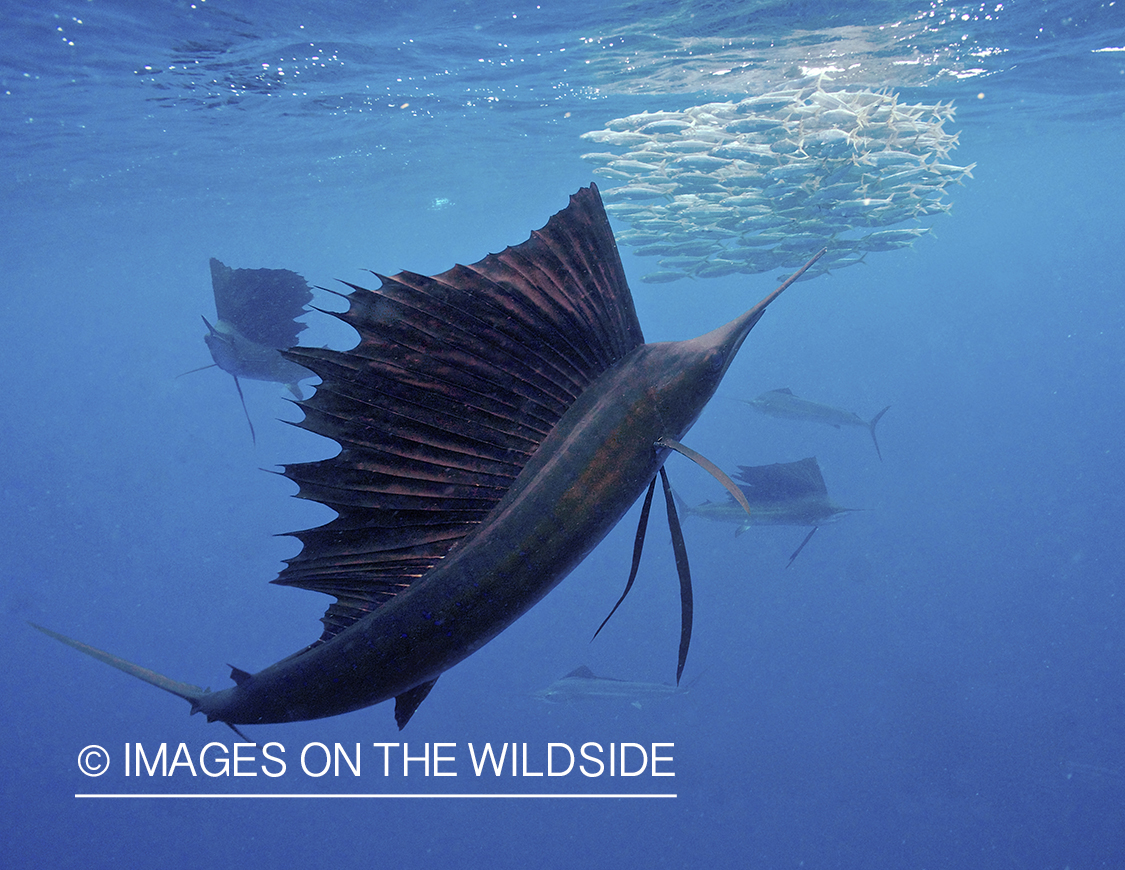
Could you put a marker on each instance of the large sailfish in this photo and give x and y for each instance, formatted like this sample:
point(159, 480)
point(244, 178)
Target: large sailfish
point(495, 422)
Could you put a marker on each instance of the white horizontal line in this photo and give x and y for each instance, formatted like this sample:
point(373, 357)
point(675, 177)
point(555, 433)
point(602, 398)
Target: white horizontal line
point(391, 796)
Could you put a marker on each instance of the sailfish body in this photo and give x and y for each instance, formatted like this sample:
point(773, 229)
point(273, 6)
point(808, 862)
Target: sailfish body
point(782, 494)
point(495, 422)
point(241, 357)
point(783, 404)
point(256, 319)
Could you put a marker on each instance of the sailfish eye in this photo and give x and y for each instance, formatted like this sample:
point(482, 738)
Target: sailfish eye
point(715, 361)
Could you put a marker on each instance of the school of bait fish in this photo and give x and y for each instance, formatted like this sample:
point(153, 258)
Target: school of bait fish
point(759, 184)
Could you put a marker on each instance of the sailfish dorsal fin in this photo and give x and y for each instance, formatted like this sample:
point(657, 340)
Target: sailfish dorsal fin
point(455, 381)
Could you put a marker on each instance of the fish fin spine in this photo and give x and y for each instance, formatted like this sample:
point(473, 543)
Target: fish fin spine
point(408, 702)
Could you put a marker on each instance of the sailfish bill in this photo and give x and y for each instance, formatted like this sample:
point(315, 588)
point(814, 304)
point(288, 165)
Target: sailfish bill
point(495, 422)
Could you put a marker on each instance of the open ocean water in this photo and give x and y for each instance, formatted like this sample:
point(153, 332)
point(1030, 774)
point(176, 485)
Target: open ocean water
point(938, 681)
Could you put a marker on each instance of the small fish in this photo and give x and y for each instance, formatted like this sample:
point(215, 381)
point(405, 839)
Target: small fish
point(688, 146)
point(960, 171)
point(718, 267)
point(873, 244)
point(748, 204)
point(901, 235)
point(613, 137)
point(636, 167)
point(750, 151)
point(633, 122)
point(891, 157)
point(639, 191)
point(662, 277)
point(782, 403)
point(700, 161)
point(617, 174)
point(796, 169)
point(855, 207)
point(666, 125)
point(601, 158)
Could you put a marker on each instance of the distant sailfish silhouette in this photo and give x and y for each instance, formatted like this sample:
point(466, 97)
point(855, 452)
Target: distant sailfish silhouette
point(257, 311)
point(495, 422)
point(782, 403)
point(582, 684)
point(782, 494)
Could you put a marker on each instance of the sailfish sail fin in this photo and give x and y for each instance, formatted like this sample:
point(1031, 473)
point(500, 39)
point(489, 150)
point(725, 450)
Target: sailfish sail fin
point(455, 381)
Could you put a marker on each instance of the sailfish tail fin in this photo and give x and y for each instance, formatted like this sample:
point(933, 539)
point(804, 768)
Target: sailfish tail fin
point(871, 426)
point(191, 694)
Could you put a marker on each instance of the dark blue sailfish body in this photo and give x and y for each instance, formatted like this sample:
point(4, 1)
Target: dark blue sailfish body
point(495, 422)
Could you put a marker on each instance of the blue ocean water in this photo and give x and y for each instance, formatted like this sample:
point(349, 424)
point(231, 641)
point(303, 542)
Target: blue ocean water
point(937, 681)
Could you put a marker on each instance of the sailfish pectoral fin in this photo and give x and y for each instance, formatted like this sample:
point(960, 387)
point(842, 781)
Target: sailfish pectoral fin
point(680, 550)
point(683, 570)
point(708, 466)
point(241, 398)
point(191, 694)
point(808, 538)
point(678, 546)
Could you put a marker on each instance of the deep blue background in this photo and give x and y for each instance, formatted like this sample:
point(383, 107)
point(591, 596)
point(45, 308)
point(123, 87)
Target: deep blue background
point(938, 681)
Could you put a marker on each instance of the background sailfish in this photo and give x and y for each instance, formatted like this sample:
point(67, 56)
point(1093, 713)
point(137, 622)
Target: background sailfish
point(495, 422)
point(582, 684)
point(256, 320)
point(780, 494)
point(782, 403)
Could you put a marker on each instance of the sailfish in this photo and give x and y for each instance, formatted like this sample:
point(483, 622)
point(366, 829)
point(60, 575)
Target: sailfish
point(781, 494)
point(495, 421)
point(257, 311)
point(782, 403)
